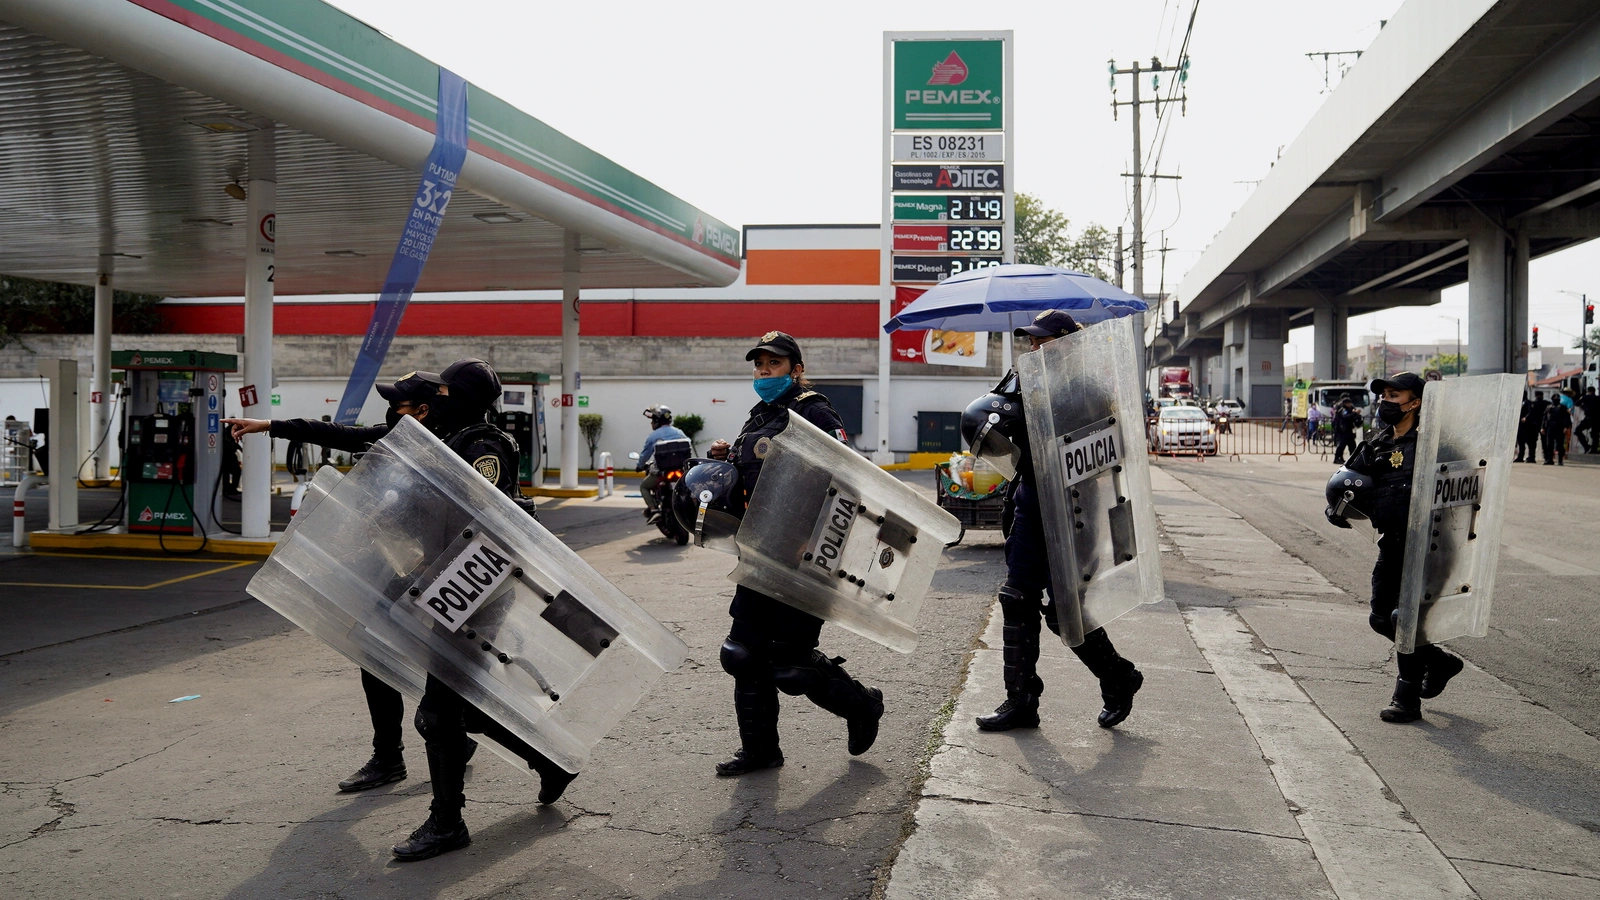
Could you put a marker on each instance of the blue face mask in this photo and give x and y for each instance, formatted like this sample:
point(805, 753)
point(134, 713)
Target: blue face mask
point(770, 389)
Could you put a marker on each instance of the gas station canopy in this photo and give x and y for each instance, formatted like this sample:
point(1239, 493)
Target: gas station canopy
point(126, 124)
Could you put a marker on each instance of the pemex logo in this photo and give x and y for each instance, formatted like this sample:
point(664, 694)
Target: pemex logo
point(952, 71)
point(699, 230)
point(148, 515)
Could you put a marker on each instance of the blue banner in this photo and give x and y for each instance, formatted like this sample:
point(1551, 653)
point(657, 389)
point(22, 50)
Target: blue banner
point(422, 226)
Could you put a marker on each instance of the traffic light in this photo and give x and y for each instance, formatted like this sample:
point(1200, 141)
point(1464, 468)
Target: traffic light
point(1588, 314)
point(1535, 335)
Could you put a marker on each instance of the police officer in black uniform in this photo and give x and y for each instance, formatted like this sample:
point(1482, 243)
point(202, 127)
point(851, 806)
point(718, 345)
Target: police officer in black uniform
point(1028, 569)
point(1346, 418)
point(773, 646)
point(1388, 458)
point(454, 405)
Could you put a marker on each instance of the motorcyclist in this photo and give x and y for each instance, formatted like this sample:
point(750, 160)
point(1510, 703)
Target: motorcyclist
point(660, 417)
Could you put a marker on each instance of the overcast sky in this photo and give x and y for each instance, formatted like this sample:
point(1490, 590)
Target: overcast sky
point(765, 113)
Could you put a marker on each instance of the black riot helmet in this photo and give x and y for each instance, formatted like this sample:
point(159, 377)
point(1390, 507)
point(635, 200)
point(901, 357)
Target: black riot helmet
point(994, 428)
point(709, 503)
point(1349, 494)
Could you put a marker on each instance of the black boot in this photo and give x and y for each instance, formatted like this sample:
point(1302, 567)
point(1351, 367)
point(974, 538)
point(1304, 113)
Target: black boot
point(1119, 678)
point(1020, 653)
point(377, 772)
point(434, 837)
point(755, 702)
point(553, 779)
point(824, 682)
point(1406, 706)
point(1441, 667)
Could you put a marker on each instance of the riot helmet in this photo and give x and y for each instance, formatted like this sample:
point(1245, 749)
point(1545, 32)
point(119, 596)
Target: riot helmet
point(1349, 494)
point(994, 428)
point(709, 504)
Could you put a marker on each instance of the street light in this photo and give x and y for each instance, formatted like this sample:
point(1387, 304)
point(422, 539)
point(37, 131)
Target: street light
point(1459, 363)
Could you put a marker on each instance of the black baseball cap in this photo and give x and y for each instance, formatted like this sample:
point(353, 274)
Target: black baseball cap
point(413, 387)
point(1050, 323)
point(1404, 381)
point(778, 344)
point(472, 382)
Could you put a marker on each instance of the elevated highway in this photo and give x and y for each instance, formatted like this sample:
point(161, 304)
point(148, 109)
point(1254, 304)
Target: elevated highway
point(1463, 143)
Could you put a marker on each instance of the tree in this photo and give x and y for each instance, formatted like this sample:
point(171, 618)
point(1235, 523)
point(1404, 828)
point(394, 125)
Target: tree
point(1577, 343)
point(1449, 364)
point(47, 307)
point(1044, 238)
point(690, 424)
point(590, 424)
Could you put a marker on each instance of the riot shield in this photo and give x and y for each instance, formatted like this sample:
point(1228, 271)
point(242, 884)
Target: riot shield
point(413, 563)
point(1085, 412)
point(831, 534)
point(1465, 432)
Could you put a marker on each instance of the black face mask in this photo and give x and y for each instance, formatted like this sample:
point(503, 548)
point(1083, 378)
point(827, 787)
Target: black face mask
point(1390, 412)
point(392, 417)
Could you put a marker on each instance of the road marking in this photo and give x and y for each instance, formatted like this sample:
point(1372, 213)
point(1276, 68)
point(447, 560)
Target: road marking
point(130, 587)
point(1551, 565)
point(1365, 841)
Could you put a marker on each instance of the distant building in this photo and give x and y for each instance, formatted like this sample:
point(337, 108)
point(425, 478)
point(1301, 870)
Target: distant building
point(1375, 356)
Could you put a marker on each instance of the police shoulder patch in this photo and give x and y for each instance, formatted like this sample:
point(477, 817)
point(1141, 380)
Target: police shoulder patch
point(762, 447)
point(488, 466)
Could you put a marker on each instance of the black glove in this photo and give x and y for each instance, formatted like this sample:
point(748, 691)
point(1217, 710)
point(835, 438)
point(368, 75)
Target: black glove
point(1337, 521)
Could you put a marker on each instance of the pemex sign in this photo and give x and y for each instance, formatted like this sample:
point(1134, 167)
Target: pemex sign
point(955, 84)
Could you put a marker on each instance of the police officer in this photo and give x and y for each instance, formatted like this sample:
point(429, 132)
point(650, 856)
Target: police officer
point(772, 646)
point(1388, 458)
point(660, 417)
point(1555, 432)
point(454, 405)
point(1028, 580)
point(1345, 420)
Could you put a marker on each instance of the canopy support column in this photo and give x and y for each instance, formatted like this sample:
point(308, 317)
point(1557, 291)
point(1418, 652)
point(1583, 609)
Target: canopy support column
point(100, 392)
point(571, 380)
point(261, 220)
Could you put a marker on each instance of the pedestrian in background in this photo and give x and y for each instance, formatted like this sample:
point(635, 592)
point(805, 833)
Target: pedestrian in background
point(1346, 418)
point(1588, 430)
point(1556, 434)
point(1528, 426)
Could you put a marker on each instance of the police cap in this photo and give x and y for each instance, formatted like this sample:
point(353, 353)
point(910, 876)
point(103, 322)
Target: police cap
point(1405, 381)
point(413, 387)
point(778, 344)
point(1050, 323)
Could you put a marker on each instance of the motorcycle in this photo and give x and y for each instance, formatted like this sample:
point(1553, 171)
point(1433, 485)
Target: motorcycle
point(665, 465)
point(1224, 422)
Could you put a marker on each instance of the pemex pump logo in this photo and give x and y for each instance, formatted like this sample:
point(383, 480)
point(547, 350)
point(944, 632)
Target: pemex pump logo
point(952, 71)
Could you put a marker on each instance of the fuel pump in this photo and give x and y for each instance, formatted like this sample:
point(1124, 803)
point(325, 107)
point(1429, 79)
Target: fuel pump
point(172, 444)
point(521, 415)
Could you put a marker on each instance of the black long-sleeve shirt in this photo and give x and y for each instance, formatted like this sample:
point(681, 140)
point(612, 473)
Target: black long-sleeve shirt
point(348, 438)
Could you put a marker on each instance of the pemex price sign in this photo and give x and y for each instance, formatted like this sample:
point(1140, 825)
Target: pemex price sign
point(948, 195)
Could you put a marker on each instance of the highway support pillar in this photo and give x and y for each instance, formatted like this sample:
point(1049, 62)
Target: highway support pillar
point(1253, 348)
point(1486, 299)
point(1516, 335)
point(255, 394)
point(571, 379)
point(1329, 328)
point(100, 392)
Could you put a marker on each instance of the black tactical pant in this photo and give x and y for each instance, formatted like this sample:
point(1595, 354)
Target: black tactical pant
point(1027, 583)
point(1385, 601)
point(444, 719)
point(387, 708)
point(1343, 442)
point(773, 646)
point(1528, 440)
point(1555, 446)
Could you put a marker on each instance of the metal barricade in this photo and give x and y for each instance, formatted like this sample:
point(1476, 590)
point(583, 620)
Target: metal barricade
point(1277, 437)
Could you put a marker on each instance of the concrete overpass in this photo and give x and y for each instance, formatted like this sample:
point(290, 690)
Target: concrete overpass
point(155, 145)
point(1463, 143)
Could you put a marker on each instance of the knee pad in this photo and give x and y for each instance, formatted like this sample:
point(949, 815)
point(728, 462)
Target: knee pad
point(428, 722)
point(738, 661)
point(1018, 601)
point(803, 675)
point(1384, 625)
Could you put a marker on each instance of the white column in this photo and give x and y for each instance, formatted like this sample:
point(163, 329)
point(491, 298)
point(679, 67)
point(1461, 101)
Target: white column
point(100, 398)
point(570, 377)
point(61, 444)
point(1517, 314)
point(261, 222)
point(1486, 299)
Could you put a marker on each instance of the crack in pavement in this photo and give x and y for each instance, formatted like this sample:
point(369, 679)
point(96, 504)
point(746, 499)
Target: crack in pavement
point(1093, 815)
point(1506, 865)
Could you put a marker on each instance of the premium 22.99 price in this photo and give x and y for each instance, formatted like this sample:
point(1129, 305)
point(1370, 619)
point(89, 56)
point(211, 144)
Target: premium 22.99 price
point(975, 238)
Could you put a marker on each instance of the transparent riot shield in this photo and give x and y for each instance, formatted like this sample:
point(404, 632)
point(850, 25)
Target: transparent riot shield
point(831, 534)
point(1465, 433)
point(414, 564)
point(1082, 399)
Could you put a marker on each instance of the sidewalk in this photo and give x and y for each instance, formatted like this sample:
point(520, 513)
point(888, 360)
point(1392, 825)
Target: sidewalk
point(1254, 764)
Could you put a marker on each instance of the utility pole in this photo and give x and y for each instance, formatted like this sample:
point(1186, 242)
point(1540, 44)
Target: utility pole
point(1330, 60)
point(1154, 70)
point(1118, 256)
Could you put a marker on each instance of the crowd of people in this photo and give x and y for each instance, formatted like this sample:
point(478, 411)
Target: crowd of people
point(1547, 427)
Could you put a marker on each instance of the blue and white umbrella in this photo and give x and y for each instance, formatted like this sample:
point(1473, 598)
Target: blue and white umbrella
point(1000, 298)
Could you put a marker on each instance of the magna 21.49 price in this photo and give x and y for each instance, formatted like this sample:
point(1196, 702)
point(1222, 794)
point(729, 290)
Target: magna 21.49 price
point(976, 208)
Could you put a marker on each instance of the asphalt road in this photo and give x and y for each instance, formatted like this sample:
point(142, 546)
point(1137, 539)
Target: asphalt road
point(1544, 629)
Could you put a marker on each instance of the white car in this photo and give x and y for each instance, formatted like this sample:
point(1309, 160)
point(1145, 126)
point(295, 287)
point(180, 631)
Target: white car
point(1179, 428)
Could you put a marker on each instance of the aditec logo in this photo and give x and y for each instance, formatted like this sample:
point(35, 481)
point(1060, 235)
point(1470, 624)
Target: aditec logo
point(952, 71)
